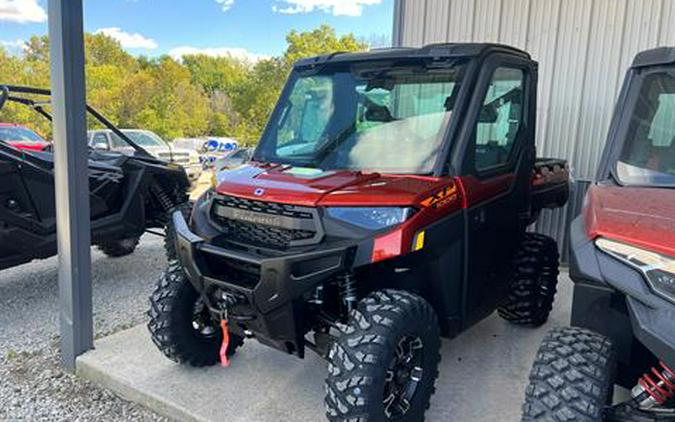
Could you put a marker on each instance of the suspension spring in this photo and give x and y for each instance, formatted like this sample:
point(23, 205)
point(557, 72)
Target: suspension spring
point(348, 291)
point(163, 198)
point(655, 388)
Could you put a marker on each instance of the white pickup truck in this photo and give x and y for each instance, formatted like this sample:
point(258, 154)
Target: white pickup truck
point(106, 140)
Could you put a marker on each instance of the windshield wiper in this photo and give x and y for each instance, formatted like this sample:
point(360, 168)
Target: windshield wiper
point(332, 144)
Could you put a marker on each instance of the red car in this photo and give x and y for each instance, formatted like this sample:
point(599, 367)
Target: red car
point(21, 137)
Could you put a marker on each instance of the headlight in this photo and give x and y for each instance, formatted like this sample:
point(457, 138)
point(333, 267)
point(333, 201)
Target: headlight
point(658, 270)
point(371, 218)
point(213, 179)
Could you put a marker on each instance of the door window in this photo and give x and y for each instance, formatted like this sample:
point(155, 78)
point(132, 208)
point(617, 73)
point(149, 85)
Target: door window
point(648, 155)
point(500, 118)
point(662, 128)
point(100, 141)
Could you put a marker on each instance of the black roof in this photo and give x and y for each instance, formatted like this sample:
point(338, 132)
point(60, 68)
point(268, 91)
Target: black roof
point(449, 50)
point(655, 57)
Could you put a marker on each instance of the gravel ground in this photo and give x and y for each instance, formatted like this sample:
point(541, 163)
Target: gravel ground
point(32, 385)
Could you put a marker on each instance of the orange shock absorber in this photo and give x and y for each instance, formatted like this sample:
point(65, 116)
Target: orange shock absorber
point(655, 388)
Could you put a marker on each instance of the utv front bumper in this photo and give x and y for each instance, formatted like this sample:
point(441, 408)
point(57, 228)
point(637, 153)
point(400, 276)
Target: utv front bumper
point(269, 289)
point(613, 299)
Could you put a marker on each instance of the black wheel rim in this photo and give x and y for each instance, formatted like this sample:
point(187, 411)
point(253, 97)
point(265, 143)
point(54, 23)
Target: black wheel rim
point(403, 377)
point(202, 323)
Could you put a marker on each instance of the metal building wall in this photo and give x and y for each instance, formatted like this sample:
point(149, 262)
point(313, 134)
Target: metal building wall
point(583, 48)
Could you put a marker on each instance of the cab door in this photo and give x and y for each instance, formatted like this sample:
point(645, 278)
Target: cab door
point(497, 164)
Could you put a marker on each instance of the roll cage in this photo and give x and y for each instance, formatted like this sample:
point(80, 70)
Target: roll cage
point(8, 93)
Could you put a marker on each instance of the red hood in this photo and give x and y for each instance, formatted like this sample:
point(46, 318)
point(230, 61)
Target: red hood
point(307, 187)
point(31, 146)
point(642, 217)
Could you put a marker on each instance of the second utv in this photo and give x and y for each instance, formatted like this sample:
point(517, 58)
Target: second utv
point(623, 268)
point(128, 194)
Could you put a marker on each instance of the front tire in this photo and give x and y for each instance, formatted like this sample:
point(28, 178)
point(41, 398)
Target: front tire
point(572, 378)
point(384, 364)
point(120, 247)
point(533, 282)
point(181, 326)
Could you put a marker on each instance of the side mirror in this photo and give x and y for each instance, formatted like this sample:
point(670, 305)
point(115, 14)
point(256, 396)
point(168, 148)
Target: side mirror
point(101, 146)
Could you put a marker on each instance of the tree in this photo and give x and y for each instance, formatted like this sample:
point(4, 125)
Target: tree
point(215, 74)
point(100, 49)
point(220, 78)
point(173, 106)
point(200, 95)
point(257, 96)
point(322, 40)
point(21, 71)
point(37, 49)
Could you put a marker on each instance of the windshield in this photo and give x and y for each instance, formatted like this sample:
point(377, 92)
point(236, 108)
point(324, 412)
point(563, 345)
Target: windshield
point(242, 154)
point(386, 118)
point(19, 134)
point(648, 155)
point(144, 139)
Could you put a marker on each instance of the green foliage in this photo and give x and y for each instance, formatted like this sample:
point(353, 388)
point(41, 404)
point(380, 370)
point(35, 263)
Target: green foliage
point(255, 98)
point(259, 92)
point(201, 95)
point(322, 40)
point(215, 73)
point(101, 50)
point(37, 49)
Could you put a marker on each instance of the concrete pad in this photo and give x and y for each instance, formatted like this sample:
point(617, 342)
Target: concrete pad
point(483, 376)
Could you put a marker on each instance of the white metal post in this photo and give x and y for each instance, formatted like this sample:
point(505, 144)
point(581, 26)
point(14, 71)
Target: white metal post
point(71, 177)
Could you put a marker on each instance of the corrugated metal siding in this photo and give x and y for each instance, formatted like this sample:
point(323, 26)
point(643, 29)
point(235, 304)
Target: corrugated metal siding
point(583, 48)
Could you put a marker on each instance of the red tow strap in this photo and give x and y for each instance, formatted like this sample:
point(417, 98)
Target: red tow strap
point(224, 361)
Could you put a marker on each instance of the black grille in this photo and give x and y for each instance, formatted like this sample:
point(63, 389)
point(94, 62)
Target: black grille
point(264, 207)
point(260, 234)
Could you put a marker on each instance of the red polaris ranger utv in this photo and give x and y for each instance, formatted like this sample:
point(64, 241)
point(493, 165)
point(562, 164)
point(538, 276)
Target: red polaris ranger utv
point(623, 267)
point(385, 207)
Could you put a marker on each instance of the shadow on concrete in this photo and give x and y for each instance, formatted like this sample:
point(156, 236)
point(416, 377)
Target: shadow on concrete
point(483, 376)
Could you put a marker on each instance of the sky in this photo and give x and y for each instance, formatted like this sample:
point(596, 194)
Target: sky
point(250, 28)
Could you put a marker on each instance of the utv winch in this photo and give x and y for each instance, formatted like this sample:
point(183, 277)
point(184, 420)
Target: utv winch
point(385, 207)
point(623, 268)
point(129, 194)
